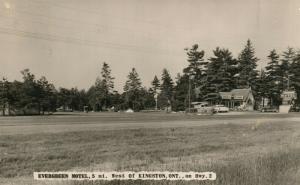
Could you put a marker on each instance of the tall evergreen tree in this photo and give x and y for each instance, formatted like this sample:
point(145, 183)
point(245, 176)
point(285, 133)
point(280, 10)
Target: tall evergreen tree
point(103, 88)
point(196, 62)
point(262, 89)
point(273, 77)
point(195, 71)
point(132, 89)
point(181, 88)
point(107, 79)
point(191, 79)
point(247, 63)
point(167, 84)
point(221, 71)
point(166, 95)
point(295, 75)
point(133, 82)
point(155, 84)
point(285, 67)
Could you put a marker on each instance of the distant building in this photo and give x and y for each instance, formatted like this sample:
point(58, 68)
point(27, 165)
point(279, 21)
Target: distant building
point(288, 97)
point(288, 101)
point(238, 99)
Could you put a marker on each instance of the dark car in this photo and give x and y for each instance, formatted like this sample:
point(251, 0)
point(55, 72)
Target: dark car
point(295, 109)
point(269, 109)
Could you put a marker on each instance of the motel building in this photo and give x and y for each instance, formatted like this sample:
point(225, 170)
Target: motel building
point(288, 101)
point(238, 99)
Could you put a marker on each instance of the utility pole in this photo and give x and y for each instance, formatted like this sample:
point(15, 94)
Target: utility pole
point(190, 78)
point(155, 97)
point(288, 81)
point(189, 94)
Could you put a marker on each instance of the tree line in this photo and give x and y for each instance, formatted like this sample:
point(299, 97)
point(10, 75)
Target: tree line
point(200, 80)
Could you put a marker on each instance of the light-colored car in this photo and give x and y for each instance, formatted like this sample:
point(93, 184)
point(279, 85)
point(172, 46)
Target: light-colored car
point(221, 108)
point(66, 109)
point(129, 111)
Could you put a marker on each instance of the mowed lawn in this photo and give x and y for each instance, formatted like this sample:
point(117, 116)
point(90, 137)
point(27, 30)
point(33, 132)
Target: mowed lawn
point(256, 149)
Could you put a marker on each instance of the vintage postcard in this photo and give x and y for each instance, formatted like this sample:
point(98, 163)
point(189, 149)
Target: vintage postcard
point(149, 92)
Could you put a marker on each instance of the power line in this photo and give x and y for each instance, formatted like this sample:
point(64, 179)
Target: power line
point(73, 21)
point(64, 19)
point(55, 4)
point(96, 30)
point(38, 21)
point(72, 40)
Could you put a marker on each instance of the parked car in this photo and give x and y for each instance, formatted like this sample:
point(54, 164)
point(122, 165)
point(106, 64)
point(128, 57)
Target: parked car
point(295, 109)
point(61, 109)
point(129, 111)
point(221, 108)
point(269, 109)
point(203, 108)
point(191, 110)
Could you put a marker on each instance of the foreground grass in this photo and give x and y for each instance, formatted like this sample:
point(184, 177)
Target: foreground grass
point(276, 169)
point(258, 153)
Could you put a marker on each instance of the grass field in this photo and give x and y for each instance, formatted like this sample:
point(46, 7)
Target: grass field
point(251, 149)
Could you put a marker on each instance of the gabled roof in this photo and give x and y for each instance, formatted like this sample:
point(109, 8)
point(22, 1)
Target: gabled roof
point(236, 94)
point(198, 103)
point(225, 93)
point(241, 92)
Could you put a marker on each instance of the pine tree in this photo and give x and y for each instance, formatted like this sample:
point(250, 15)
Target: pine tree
point(221, 71)
point(133, 88)
point(196, 62)
point(166, 95)
point(273, 77)
point(103, 88)
point(273, 67)
point(285, 67)
point(155, 84)
point(133, 82)
point(181, 88)
point(107, 79)
point(191, 79)
point(295, 75)
point(196, 69)
point(247, 63)
point(262, 89)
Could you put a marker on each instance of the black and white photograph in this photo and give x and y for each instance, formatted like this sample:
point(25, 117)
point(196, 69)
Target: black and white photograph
point(142, 92)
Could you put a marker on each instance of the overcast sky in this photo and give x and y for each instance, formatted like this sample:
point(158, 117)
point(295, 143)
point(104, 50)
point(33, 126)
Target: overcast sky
point(68, 40)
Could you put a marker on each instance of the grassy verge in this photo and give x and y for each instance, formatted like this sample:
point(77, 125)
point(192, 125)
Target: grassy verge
point(264, 153)
point(273, 168)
